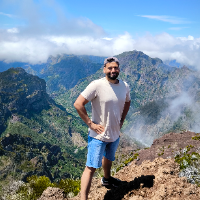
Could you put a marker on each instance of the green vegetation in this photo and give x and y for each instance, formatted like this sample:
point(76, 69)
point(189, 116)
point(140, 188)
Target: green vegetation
point(196, 137)
point(127, 161)
point(162, 149)
point(189, 164)
point(35, 185)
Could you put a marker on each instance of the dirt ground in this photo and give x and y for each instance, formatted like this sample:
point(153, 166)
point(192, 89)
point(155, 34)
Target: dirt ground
point(154, 176)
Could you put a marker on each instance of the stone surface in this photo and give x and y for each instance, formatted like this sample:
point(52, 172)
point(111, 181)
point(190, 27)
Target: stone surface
point(53, 194)
point(152, 177)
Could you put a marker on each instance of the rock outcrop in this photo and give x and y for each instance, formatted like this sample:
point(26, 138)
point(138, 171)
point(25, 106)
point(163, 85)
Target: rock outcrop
point(151, 177)
point(155, 180)
point(53, 194)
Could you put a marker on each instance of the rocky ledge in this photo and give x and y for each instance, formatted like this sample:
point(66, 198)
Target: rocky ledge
point(154, 176)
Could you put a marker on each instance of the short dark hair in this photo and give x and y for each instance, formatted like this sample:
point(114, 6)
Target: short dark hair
point(111, 59)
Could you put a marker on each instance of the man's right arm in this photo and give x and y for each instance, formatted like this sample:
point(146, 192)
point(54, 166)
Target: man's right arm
point(80, 107)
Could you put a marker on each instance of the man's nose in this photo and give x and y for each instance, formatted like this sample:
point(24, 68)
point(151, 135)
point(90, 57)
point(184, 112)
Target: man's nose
point(113, 69)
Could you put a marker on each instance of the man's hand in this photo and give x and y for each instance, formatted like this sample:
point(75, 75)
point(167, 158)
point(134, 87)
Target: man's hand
point(96, 127)
point(80, 107)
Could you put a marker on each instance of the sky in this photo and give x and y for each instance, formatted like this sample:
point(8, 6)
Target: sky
point(32, 30)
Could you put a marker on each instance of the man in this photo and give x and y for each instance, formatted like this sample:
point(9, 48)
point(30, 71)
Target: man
point(110, 99)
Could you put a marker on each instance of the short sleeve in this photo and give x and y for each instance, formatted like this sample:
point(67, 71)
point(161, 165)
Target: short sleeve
point(128, 97)
point(90, 91)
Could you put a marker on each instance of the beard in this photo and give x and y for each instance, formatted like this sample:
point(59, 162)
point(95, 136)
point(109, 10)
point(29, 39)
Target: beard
point(112, 76)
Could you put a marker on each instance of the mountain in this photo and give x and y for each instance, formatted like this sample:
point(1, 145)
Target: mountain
point(61, 72)
point(141, 72)
point(38, 136)
point(164, 98)
point(34, 127)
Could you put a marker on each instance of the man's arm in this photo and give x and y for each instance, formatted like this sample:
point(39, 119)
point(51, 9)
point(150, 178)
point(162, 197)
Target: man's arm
point(80, 107)
point(125, 111)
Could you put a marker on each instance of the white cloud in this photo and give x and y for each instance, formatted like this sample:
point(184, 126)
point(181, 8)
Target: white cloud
point(8, 15)
point(21, 47)
point(35, 41)
point(107, 38)
point(13, 30)
point(165, 18)
point(177, 28)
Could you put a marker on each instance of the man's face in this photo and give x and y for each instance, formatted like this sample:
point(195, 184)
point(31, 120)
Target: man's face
point(111, 70)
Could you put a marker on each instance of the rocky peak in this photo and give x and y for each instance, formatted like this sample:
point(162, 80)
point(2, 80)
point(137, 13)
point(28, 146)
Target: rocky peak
point(139, 58)
point(21, 92)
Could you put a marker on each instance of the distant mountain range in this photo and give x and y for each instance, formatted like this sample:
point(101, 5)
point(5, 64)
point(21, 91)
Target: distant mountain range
point(164, 98)
point(40, 127)
point(62, 72)
point(151, 81)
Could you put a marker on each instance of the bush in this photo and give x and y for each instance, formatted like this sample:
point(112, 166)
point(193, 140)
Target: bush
point(70, 186)
point(34, 188)
point(36, 185)
point(189, 165)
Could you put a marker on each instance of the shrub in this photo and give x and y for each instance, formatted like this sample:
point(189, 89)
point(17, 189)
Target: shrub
point(189, 165)
point(36, 185)
point(34, 188)
point(70, 186)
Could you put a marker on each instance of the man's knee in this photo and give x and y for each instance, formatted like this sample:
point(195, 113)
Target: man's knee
point(90, 170)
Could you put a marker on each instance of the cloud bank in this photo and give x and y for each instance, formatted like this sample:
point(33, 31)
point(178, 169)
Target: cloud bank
point(54, 32)
point(17, 46)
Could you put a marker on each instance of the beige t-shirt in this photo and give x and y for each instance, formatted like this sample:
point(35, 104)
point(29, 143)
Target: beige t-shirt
point(107, 101)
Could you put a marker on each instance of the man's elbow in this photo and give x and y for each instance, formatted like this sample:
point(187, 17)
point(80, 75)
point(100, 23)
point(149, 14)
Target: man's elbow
point(76, 105)
point(80, 102)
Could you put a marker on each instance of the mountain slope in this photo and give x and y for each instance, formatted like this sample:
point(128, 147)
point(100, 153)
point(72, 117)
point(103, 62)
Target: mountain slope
point(164, 98)
point(38, 136)
point(61, 72)
point(28, 111)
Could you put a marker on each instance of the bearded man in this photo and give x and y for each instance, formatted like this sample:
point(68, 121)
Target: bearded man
point(110, 99)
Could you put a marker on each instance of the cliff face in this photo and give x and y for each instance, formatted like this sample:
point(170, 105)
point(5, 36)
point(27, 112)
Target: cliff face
point(22, 93)
point(33, 127)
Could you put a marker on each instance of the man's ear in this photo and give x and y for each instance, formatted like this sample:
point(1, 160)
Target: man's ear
point(104, 70)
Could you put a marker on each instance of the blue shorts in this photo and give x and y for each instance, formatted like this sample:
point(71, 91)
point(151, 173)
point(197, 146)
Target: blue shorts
point(97, 149)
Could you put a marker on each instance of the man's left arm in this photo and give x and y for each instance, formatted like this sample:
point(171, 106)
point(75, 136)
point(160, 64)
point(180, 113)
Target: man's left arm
point(125, 111)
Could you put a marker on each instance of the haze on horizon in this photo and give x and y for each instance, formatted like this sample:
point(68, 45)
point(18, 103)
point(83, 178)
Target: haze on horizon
point(32, 30)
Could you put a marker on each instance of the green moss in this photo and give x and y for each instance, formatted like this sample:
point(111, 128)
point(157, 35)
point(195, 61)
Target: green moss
point(187, 159)
point(125, 163)
point(162, 151)
point(197, 137)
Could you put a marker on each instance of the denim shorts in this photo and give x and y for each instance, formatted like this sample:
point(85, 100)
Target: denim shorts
point(97, 149)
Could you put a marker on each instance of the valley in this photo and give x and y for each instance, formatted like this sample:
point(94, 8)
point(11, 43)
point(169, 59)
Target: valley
point(41, 133)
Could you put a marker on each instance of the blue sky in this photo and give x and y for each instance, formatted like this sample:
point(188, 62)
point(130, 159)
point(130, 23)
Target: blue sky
point(31, 30)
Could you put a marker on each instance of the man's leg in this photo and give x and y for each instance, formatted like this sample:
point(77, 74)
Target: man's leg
point(106, 164)
point(86, 180)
